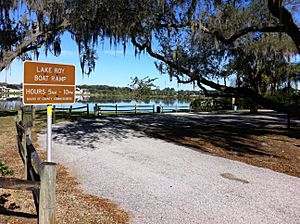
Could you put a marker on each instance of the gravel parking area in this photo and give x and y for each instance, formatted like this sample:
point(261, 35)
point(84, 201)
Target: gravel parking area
point(162, 182)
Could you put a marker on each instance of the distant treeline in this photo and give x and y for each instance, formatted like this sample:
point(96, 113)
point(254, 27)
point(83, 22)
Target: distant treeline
point(12, 86)
point(105, 90)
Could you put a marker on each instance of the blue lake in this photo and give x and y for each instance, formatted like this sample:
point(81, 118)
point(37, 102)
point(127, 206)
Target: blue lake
point(8, 103)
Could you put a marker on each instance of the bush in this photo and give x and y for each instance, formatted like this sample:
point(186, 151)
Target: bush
point(209, 104)
point(5, 170)
point(202, 104)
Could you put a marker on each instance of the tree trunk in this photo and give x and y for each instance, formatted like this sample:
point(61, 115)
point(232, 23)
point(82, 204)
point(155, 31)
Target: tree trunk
point(257, 98)
point(253, 108)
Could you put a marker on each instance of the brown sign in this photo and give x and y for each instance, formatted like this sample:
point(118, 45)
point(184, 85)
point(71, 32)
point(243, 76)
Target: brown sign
point(43, 94)
point(47, 83)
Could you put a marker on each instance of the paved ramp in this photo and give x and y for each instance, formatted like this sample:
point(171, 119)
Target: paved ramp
point(160, 182)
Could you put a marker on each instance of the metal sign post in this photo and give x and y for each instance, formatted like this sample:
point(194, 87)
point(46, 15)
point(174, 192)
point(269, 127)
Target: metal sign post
point(49, 133)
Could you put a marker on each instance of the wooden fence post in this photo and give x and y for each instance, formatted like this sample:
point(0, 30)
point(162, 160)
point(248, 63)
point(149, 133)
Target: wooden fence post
point(134, 108)
point(70, 110)
point(33, 116)
point(20, 115)
point(95, 109)
point(153, 108)
point(116, 108)
point(23, 114)
point(26, 158)
point(87, 110)
point(28, 132)
point(53, 115)
point(47, 193)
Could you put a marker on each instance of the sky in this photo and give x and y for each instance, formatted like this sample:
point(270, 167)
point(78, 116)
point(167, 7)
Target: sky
point(112, 67)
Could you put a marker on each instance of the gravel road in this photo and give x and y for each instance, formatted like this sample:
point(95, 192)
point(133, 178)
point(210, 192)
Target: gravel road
point(160, 182)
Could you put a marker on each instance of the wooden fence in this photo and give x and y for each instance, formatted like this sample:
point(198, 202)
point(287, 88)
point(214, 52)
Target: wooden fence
point(63, 111)
point(176, 108)
point(39, 177)
point(112, 109)
point(118, 109)
point(99, 109)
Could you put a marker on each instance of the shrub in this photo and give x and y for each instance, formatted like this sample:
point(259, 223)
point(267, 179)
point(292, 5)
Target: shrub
point(211, 104)
point(5, 170)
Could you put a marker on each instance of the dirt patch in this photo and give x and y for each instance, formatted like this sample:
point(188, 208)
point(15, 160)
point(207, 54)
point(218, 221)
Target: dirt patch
point(230, 176)
point(73, 205)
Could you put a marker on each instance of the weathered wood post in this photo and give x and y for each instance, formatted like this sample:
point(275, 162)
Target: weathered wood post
point(25, 158)
point(26, 169)
point(20, 114)
point(153, 108)
point(116, 108)
point(134, 108)
point(288, 120)
point(95, 109)
point(33, 116)
point(28, 132)
point(23, 114)
point(87, 110)
point(47, 194)
point(70, 110)
point(53, 114)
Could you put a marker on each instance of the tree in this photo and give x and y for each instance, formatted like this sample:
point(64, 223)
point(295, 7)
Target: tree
point(196, 45)
point(195, 38)
point(259, 66)
point(142, 87)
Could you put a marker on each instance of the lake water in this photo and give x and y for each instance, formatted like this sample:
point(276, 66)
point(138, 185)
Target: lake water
point(13, 103)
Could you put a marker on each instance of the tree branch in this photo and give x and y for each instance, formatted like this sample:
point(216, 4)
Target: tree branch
point(147, 46)
point(242, 32)
point(34, 42)
point(228, 91)
point(285, 17)
point(233, 37)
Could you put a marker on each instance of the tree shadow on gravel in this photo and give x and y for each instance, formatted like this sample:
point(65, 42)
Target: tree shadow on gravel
point(86, 132)
point(242, 136)
point(234, 133)
point(231, 132)
point(9, 211)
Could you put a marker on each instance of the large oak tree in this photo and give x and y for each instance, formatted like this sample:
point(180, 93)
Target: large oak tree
point(194, 41)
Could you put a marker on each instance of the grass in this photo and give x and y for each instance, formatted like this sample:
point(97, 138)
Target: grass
point(73, 205)
point(11, 93)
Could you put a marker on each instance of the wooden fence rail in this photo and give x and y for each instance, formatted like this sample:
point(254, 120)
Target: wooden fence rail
point(18, 184)
point(166, 109)
point(66, 111)
point(40, 177)
point(111, 108)
point(98, 109)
